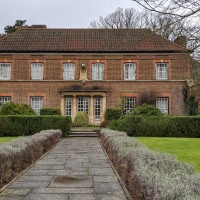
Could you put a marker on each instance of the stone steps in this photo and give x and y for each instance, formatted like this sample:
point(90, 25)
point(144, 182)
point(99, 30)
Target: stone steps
point(84, 132)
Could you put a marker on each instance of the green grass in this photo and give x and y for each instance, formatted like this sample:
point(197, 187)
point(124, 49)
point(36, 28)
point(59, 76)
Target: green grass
point(185, 149)
point(6, 139)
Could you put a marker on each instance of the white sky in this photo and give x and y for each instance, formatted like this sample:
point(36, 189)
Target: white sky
point(58, 13)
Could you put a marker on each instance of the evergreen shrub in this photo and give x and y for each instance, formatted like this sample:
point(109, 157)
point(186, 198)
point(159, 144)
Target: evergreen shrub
point(18, 154)
point(81, 119)
point(165, 126)
point(17, 125)
point(50, 111)
point(16, 109)
point(113, 114)
point(148, 174)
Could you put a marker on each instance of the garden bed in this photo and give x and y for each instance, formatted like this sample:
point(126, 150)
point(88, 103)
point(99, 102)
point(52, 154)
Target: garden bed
point(147, 174)
point(17, 155)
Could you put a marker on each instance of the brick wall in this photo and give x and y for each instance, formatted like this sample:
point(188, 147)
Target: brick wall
point(21, 87)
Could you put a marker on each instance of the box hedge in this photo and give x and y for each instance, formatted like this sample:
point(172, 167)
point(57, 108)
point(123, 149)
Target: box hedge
point(113, 113)
point(28, 125)
point(50, 111)
point(158, 126)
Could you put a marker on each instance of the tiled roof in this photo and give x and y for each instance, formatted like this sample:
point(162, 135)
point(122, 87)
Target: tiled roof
point(29, 39)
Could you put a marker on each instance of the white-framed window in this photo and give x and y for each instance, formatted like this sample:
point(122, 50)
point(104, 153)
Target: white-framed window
point(37, 104)
point(4, 100)
point(129, 103)
point(97, 108)
point(162, 71)
point(68, 71)
point(69, 106)
point(37, 71)
point(5, 71)
point(163, 104)
point(97, 71)
point(83, 104)
point(129, 71)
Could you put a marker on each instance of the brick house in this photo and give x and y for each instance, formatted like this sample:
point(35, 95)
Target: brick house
point(91, 69)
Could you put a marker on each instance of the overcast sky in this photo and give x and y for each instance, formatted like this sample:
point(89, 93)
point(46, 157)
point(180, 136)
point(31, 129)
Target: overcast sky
point(58, 13)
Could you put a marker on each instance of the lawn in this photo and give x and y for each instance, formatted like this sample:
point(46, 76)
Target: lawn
point(6, 139)
point(185, 149)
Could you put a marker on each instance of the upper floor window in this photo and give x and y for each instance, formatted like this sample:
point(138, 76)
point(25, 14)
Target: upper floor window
point(129, 103)
point(37, 71)
point(161, 71)
point(129, 71)
point(37, 104)
point(5, 71)
point(162, 104)
point(4, 100)
point(97, 71)
point(68, 71)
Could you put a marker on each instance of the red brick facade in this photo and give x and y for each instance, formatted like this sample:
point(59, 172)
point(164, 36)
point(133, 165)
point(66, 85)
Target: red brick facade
point(20, 88)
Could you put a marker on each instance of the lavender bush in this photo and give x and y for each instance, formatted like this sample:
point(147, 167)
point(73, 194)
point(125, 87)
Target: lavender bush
point(16, 155)
point(148, 174)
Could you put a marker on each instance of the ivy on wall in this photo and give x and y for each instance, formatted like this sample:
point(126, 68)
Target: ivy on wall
point(191, 103)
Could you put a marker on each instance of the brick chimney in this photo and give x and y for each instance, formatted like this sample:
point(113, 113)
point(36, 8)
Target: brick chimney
point(181, 40)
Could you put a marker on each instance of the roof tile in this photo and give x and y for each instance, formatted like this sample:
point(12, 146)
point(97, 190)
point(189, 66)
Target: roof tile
point(86, 40)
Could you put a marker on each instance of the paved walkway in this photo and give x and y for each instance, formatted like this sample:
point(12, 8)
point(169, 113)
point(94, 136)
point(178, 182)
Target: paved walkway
point(76, 169)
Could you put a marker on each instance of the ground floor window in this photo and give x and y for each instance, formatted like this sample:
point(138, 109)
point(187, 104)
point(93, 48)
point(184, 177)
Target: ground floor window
point(37, 104)
point(68, 106)
point(4, 100)
point(97, 108)
point(129, 103)
point(83, 104)
point(162, 103)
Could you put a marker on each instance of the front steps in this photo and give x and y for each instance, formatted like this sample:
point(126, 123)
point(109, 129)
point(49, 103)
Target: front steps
point(85, 132)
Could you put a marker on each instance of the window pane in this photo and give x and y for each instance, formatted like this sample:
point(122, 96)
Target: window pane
point(129, 71)
point(129, 103)
point(68, 71)
point(68, 106)
point(97, 71)
point(37, 71)
point(37, 104)
point(5, 71)
point(97, 108)
point(4, 100)
point(83, 104)
point(162, 104)
point(161, 71)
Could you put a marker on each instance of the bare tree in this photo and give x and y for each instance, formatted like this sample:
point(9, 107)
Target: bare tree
point(180, 9)
point(128, 18)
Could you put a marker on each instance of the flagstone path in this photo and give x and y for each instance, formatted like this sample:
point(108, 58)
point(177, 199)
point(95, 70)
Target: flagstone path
point(75, 169)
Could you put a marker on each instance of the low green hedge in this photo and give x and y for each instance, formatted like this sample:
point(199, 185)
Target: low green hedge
point(29, 125)
point(50, 111)
point(113, 113)
point(158, 126)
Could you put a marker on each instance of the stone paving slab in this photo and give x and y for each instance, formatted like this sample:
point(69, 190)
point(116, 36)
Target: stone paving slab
point(75, 169)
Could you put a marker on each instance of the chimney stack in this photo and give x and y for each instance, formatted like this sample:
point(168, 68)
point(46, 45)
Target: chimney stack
point(181, 41)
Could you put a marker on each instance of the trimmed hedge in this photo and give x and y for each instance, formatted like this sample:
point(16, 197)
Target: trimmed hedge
point(28, 125)
point(148, 174)
point(17, 155)
point(113, 113)
point(158, 126)
point(50, 111)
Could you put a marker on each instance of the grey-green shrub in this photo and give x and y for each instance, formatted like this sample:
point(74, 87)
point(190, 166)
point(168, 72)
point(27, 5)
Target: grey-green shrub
point(81, 119)
point(148, 174)
point(16, 155)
